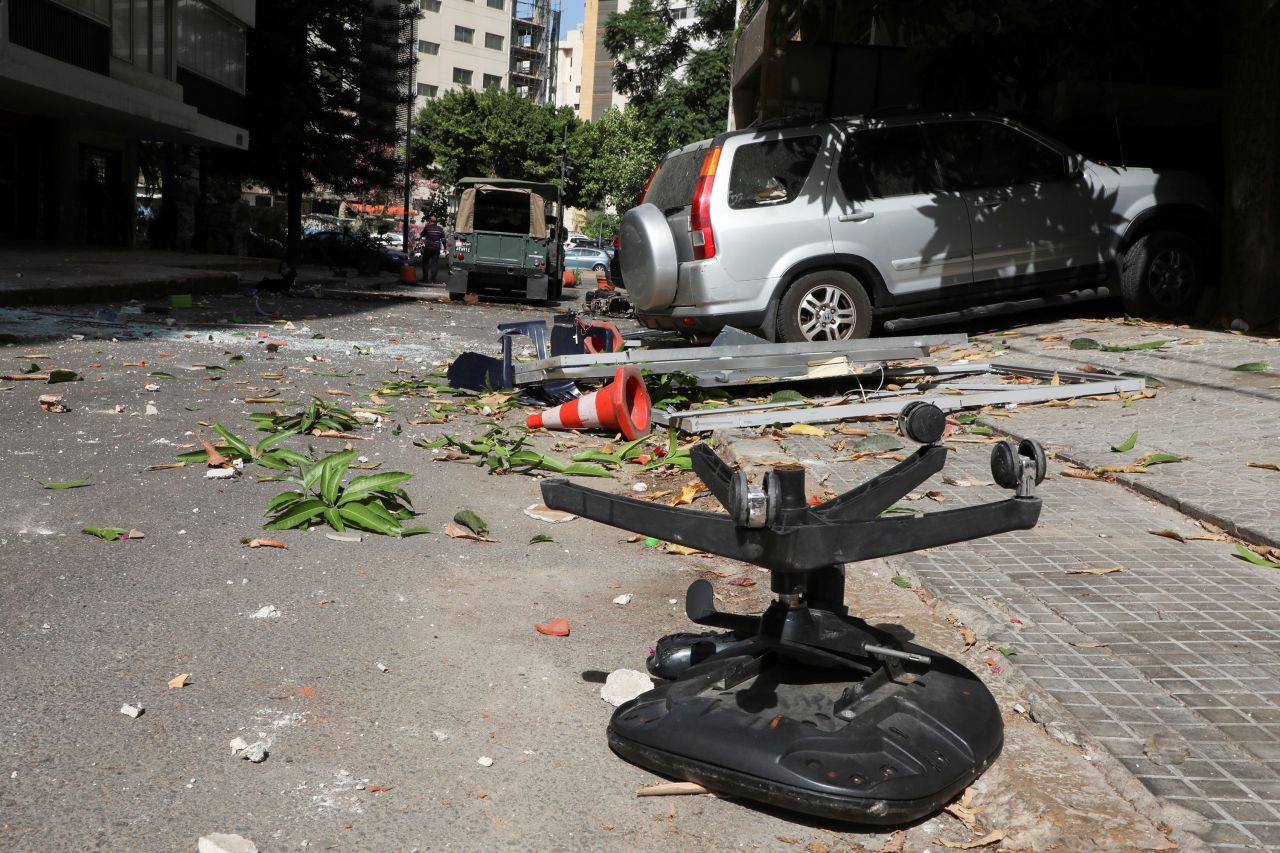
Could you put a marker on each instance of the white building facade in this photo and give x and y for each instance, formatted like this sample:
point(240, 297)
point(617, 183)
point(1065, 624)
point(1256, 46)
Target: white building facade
point(569, 69)
point(480, 44)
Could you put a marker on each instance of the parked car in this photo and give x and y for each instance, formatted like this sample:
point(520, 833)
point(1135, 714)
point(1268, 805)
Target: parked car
point(586, 259)
point(350, 249)
point(810, 231)
point(615, 265)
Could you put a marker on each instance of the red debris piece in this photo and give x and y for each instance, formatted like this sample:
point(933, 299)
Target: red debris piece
point(554, 628)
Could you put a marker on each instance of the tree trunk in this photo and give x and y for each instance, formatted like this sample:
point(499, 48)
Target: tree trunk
point(293, 246)
point(1251, 141)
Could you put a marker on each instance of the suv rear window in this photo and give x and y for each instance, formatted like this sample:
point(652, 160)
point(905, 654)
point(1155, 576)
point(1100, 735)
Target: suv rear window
point(676, 181)
point(771, 173)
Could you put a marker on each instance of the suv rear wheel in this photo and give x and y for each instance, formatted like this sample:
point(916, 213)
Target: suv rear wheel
point(824, 306)
point(1162, 274)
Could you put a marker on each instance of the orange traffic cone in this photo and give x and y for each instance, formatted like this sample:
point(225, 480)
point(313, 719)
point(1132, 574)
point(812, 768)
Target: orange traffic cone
point(409, 274)
point(622, 405)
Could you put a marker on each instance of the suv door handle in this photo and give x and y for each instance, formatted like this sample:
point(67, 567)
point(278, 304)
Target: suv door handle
point(989, 202)
point(857, 216)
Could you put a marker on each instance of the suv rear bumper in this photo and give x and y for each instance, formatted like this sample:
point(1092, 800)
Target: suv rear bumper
point(682, 320)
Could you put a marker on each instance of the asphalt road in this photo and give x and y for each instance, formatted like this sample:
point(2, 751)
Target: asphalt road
point(87, 625)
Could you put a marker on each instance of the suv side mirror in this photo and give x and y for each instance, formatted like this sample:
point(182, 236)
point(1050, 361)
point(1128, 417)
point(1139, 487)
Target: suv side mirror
point(1074, 165)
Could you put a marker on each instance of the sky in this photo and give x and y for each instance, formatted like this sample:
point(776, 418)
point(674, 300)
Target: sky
point(571, 12)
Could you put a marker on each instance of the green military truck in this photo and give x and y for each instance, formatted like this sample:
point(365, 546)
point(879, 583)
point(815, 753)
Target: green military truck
point(506, 238)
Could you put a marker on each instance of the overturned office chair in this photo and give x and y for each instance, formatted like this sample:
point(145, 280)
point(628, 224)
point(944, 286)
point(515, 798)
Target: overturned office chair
point(806, 706)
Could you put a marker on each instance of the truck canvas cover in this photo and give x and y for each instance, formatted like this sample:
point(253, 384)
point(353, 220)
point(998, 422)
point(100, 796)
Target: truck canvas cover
point(504, 209)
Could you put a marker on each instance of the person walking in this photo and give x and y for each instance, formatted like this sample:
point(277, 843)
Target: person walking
point(433, 240)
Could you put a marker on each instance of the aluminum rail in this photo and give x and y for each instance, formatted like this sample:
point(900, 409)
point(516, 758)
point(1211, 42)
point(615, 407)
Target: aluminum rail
point(704, 420)
point(729, 365)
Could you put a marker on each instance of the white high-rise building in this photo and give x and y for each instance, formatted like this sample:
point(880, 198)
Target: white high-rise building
point(569, 69)
point(480, 44)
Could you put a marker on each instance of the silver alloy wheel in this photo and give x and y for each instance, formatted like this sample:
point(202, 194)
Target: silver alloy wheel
point(1171, 277)
point(826, 313)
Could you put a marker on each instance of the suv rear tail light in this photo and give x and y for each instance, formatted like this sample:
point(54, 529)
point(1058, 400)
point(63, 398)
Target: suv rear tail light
point(704, 240)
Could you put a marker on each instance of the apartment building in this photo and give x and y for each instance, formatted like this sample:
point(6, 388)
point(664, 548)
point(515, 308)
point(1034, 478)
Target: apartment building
point(598, 93)
point(480, 44)
point(83, 81)
point(568, 89)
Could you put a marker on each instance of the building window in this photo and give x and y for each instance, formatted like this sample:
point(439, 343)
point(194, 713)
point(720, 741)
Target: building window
point(427, 90)
point(465, 34)
point(497, 4)
point(100, 9)
point(462, 76)
point(262, 200)
point(210, 44)
point(431, 5)
point(139, 34)
point(493, 41)
point(493, 81)
point(428, 47)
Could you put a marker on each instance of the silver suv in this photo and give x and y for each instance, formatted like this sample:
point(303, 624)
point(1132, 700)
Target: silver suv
point(809, 232)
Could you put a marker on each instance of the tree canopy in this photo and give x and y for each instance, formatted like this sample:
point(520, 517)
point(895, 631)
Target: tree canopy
point(322, 87)
point(613, 157)
point(677, 77)
point(493, 133)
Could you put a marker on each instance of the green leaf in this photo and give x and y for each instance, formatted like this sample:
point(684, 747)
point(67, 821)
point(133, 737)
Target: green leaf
point(1085, 343)
point(1247, 367)
point(214, 367)
point(359, 487)
point(878, 443)
point(1245, 554)
point(786, 396)
point(273, 439)
point(235, 359)
point(160, 374)
point(298, 515)
point(56, 376)
point(982, 430)
point(283, 500)
point(193, 408)
point(965, 417)
point(415, 531)
point(472, 522)
point(1126, 445)
point(68, 484)
point(1159, 459)
point(361, 516)
point(110, 534)
point(334, 518)
point(238, 445)
point(1134, 347)
point(899, 580)
point(541, 537)
point(1007, 651)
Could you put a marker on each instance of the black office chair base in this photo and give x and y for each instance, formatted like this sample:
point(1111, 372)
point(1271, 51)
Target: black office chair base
point(871, 750)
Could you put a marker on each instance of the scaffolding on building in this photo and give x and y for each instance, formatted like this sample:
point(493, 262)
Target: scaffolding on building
point(535, 30)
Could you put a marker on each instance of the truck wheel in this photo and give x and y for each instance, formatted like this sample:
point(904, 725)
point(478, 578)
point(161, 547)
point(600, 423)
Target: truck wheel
point(1162, 274)
point(824, 306)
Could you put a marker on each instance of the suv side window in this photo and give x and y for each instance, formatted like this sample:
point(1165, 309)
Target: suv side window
point(886, 162)
point(770, 173)
point(979, 155)
point(677, 180)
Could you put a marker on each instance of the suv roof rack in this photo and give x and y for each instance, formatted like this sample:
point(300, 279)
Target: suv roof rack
point(785, 121)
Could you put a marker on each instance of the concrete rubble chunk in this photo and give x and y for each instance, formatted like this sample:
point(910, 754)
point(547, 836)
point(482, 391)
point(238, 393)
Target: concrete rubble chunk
point(223, 842)
point(238, 744)
point(132, 709)
point(484, 761)
point(623, 685)
point(267, 612)
point(623, 599)
point(255, 752)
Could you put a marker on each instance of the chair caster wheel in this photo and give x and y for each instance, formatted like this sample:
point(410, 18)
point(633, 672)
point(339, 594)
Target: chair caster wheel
point(1006, 463)
point(922, 422)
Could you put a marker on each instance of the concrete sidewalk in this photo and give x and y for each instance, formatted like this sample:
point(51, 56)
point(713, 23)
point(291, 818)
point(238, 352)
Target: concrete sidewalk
point(1171, 663)
point(59, 275)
